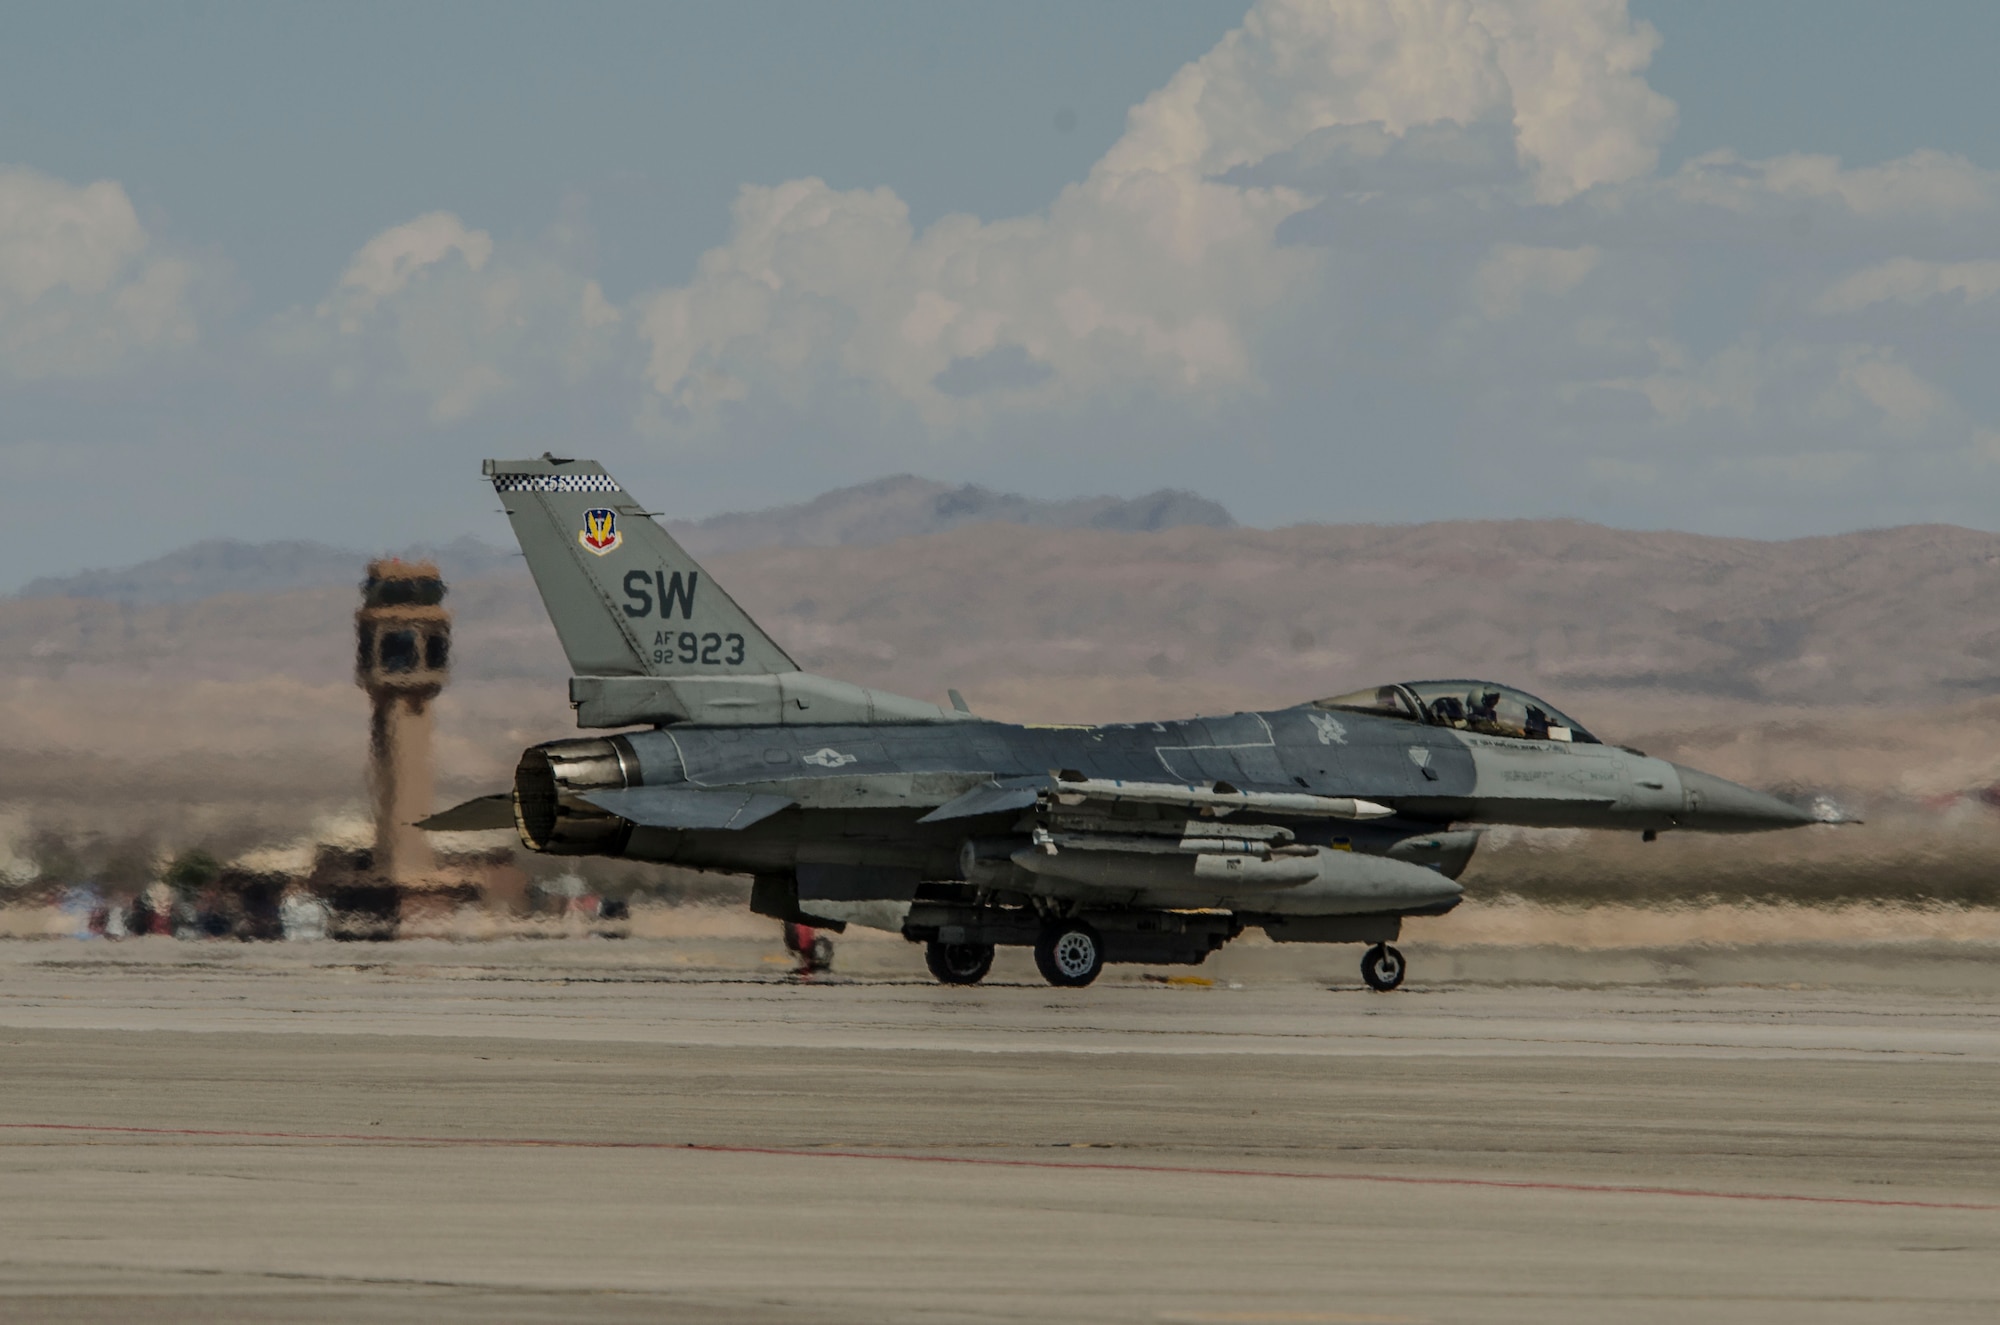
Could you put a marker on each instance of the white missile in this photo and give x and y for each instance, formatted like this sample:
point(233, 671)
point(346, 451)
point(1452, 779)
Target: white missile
point(1217, 800)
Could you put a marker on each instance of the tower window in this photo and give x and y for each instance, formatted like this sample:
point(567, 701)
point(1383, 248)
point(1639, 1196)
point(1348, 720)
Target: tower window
point(399, 651)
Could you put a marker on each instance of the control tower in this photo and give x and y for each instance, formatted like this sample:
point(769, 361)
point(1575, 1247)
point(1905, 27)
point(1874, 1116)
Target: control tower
point(402, 659)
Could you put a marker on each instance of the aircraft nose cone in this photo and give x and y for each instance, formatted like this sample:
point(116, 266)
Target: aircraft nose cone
point(1717, 805)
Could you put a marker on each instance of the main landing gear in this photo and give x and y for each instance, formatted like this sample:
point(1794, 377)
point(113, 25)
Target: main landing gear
point(1382, 967)
point(1069, 954)
point(958, 963)
point(813, 949)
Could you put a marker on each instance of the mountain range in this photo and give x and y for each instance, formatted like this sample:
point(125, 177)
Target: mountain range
point(867, 514)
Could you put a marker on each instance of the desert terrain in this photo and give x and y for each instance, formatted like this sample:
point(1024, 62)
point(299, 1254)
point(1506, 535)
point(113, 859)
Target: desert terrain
point(1864, 668)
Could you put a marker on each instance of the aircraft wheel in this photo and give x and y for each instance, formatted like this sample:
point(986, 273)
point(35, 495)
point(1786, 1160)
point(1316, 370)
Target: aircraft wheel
point(1382, 967)
point(958, 963)
point(1069, 954)
point(819, 957)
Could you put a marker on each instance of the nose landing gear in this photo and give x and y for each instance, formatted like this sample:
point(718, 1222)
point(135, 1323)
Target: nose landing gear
point(1382, 967)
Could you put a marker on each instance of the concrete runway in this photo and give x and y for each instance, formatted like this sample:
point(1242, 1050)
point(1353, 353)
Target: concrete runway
point(592, 1131)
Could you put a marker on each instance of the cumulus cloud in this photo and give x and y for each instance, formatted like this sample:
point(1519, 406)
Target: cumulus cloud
point(1511, 273)
point(1386, 211)
point(1159, 271)
point(1421, 246)
point(1134, 278)
point(1567, 73)
point(1786, 337)
point(1926, 185)
point(1911, 281)
point(82, 289)
point(387, 264)
point(434, 308)
point(1784, 386)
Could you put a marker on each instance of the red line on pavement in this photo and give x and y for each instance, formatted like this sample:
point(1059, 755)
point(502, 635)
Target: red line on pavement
point(1184, 1170)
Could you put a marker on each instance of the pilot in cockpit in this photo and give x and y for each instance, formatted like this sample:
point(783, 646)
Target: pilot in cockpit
point(1482, 709)
point(1538, 724)
point(1483, 713)
point(1477, 706)
point(1447, 711)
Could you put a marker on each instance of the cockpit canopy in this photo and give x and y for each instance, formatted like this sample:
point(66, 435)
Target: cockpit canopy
point(1476, 706)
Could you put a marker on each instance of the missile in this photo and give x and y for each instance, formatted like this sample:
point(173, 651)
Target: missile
point(1219, 800)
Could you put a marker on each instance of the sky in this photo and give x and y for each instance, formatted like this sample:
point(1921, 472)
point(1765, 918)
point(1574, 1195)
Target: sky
point(276, 271)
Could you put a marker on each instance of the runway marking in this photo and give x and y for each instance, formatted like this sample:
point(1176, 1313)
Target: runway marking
point(1182, 1170)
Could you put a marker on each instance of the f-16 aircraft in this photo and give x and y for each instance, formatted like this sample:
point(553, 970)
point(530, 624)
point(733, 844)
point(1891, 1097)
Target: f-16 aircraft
point(1153, 842)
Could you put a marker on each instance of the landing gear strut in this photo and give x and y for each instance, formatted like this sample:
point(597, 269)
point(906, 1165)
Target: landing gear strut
point(1069, 954)
point(1382, 967)
point(813, 949)
point(958, 963)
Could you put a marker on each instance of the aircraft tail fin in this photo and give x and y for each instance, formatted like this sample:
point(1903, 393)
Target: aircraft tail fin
point(625, 598)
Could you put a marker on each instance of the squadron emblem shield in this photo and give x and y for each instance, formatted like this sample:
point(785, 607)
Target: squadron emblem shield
point(600, 531)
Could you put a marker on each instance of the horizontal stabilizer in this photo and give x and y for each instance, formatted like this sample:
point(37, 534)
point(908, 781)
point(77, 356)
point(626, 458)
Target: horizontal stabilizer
point(475, 816)
point(688, 807)
point(989, 797)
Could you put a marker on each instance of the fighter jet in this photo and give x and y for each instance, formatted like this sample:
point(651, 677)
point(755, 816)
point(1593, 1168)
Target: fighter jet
point(1153, 842)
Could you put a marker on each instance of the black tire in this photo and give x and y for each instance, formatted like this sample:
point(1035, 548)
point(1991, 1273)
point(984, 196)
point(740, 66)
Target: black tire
point(1382, 967)
point(958, 963)
point(1069, 954)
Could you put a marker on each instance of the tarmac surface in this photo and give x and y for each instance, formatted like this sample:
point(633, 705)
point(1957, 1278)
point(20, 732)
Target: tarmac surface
point(672, 1130)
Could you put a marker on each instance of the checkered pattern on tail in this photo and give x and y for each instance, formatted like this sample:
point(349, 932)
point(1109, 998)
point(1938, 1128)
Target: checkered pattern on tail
point(555, 483)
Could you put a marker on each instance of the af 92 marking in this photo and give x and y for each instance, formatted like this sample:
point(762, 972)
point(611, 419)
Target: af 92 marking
point(709, 649)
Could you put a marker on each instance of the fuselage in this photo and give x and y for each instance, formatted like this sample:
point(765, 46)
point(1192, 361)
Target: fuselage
point(860, 791)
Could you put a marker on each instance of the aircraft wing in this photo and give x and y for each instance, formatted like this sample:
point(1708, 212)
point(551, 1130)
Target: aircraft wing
point(995, 796)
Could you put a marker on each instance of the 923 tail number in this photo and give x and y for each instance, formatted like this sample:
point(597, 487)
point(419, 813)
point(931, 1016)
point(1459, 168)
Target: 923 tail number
point(708, 650)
